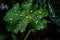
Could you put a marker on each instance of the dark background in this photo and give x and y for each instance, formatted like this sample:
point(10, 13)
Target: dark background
point(50, 33)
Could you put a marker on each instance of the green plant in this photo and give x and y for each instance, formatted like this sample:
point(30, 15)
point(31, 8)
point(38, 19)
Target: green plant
point(20, 15)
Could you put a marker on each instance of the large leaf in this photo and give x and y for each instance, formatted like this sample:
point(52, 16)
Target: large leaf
point(21, 16)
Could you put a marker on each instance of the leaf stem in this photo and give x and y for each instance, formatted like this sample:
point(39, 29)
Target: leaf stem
point(13, 37)
point(31, 30)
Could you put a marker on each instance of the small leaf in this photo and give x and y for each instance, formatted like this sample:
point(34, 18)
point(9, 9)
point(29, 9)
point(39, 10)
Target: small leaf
point(41, 24)
point(13, 14)
point(21, 25)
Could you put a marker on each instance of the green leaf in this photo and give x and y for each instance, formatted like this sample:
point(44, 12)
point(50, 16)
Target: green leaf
point(13, 14)
point(19, 16)
point(39, 24)
point(20, 26)
point(27, 5)
point(40, 13)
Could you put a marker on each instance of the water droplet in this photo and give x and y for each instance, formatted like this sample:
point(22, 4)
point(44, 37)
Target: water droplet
point(19, 21)
point(38, 28)
point(37, 16)
point(21, 30)
point(10, 18)
point(18, 11)
point(36, 21)
point(27, 17)
point(15, 7)
point(42, 27)
point(21, 15)
point(31, 11)
point(15, 10)
point(11, 22)
point(40, 12)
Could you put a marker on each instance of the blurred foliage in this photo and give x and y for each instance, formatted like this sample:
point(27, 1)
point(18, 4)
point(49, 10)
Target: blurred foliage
point(53, 11)
point(2, 37)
